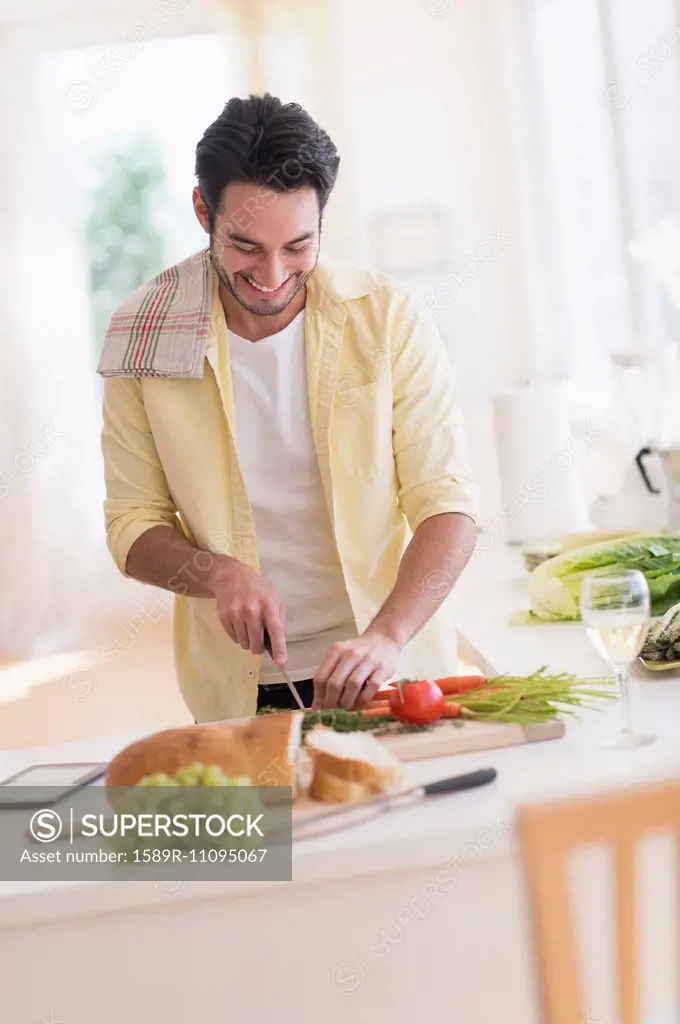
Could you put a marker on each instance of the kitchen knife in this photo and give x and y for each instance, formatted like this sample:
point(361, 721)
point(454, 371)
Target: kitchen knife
point(289, 682)
point(356, 813)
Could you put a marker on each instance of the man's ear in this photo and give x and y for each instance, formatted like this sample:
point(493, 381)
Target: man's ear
point(201, 210)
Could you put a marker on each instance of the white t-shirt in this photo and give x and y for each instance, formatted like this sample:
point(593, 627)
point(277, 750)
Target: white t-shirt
point(276, 452)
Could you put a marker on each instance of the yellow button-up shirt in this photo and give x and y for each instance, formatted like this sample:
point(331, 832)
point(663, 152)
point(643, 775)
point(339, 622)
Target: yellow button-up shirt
point(390, 442)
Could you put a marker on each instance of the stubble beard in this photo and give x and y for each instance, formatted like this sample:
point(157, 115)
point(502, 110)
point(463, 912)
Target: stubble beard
point(273, 311)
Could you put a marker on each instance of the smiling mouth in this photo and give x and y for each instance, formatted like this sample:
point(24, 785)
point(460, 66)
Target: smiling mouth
point(267, 292)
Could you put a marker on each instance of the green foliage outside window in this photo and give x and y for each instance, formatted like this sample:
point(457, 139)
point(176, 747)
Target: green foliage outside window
point(123, 229)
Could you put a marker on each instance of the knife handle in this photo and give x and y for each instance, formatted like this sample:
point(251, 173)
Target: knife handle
point(456, 782)
point(266, 639)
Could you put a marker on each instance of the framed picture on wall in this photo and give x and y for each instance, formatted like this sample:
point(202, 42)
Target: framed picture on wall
point(411, 243)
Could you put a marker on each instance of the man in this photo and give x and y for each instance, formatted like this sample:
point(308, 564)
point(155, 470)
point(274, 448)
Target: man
point(283, 444)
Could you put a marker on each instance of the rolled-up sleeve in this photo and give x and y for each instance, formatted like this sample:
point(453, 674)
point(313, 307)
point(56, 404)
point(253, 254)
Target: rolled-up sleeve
point(137, 494)
point(428, 431)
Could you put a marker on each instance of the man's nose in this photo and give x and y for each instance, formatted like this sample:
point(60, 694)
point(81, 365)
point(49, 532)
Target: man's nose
point(272, 273)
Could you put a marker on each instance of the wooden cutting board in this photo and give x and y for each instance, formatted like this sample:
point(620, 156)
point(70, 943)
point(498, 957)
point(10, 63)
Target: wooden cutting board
point(443, 740)
point(446, 738)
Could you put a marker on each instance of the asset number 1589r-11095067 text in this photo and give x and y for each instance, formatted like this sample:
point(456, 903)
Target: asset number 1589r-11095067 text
point(210, 856)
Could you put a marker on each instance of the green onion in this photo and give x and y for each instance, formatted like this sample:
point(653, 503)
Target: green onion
point(536, 698)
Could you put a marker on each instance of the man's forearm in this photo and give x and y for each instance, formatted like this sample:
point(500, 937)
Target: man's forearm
point(431, 564)
point(164, 557)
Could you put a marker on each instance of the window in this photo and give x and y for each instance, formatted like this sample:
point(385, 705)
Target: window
point(124, 128)
point(604, 93)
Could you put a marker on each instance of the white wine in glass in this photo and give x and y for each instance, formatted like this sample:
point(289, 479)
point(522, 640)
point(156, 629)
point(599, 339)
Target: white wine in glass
point(615, 609)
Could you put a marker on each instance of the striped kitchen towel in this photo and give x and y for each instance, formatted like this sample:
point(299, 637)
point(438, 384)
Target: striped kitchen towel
point(161, 330)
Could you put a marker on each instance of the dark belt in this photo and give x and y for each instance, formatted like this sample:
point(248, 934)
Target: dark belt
point(282, 686)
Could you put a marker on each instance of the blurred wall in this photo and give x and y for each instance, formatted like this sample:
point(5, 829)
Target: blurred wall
point(422, 123)
point(422, 126)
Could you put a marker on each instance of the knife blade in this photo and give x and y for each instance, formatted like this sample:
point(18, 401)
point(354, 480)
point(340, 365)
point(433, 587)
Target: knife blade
point(357, 813)
point(289, 681)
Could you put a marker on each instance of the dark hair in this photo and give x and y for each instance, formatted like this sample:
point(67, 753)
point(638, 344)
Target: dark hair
point(263, 140)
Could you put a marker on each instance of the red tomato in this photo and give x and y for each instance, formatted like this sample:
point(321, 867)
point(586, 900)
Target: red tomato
point(417, 701)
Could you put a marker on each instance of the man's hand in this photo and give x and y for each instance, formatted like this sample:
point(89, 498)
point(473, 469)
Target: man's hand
point(245, 605)
point(245, 602)
point(352, 671)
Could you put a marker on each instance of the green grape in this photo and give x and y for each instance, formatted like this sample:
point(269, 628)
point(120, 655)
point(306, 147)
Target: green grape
point(173, 805)
point(213, 776)
point(214, 794)
point(143, 800)
point(188, 776)
point(156, 779)
point(195, 774)
point(214, 802)
point(239, 780)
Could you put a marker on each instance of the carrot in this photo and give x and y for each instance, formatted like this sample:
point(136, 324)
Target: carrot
point(381, 699)
point(459, 684)
point(379, 710)
point(447, 684)
point(452, 710)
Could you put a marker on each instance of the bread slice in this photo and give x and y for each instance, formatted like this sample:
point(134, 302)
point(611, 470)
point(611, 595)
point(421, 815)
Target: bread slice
point(266, 748)
point(334, 790)
point(354, 757)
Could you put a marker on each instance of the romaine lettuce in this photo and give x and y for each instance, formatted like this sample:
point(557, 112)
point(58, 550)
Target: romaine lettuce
point(555, 585)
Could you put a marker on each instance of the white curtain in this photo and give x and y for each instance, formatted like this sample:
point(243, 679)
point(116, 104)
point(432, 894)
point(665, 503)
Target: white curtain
point(56, 578)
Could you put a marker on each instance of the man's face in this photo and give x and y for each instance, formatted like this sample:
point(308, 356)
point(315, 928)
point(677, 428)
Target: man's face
point(265, 244)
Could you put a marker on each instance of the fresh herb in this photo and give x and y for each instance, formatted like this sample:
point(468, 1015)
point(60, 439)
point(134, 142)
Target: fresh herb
point(343, 720)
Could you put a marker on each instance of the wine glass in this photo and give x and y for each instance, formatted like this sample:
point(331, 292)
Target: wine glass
point(615, 608)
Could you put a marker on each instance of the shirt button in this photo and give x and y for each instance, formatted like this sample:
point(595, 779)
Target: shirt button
point(246, 542)
point(250, 673)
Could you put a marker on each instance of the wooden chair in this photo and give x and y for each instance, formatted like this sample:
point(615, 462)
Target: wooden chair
point(549, 833)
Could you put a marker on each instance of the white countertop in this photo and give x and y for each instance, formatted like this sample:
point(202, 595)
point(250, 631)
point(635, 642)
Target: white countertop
point(440, 828)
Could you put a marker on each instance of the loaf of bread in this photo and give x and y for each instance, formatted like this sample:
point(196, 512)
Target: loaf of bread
point(266, 748)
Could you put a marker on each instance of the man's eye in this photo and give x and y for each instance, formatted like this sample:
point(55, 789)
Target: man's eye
point(240, 248)
point(297, 248)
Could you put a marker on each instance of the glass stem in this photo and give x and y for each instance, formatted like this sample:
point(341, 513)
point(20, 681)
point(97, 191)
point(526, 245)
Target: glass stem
point(623, 680)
